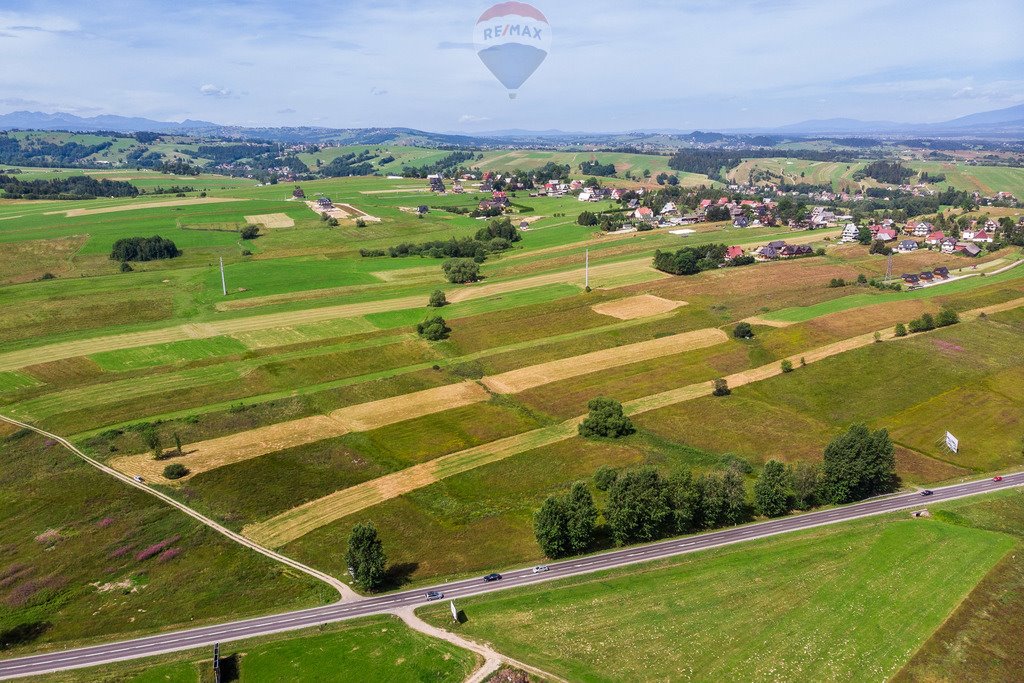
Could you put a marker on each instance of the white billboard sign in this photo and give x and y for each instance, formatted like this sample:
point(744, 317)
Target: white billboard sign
point(455, 612)
point(952, 443)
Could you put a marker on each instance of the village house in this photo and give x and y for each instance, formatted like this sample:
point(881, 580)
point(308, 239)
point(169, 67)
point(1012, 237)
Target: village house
point(935, 238)
point(850, 233)
point(733, 253)
point(948, 245)
point(794, 250)
point(644, 213)
point(436, 183)
point(324, 203)
point(942, 272)
point(972, 250)
point(885, 234)
point(907, 246)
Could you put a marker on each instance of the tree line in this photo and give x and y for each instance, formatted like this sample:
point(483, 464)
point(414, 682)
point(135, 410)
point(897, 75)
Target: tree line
point(143, 249)
point(74, 187)
point(643, 505)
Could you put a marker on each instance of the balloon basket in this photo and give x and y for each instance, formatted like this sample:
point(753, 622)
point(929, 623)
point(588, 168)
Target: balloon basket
point(512, 95)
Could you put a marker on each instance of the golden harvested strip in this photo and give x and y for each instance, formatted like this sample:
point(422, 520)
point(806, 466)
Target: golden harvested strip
point(522, 379)
point(288, 526)
point(367, 416)
point(43, 354)
point(272, 220)
point(634, 307)
point(151, 205)
point(226, 450)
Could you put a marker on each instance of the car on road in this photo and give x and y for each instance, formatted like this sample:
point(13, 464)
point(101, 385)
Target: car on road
point(927, 492)
point(997, 478)
point(492, 577)
point(137, 478)
point(540, 568)
point(434, 595)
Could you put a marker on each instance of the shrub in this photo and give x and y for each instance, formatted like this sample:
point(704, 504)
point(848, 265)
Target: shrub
point(837, 282)
point(604, 477)
point(175, 471)
point(787, 366)
point(433, 329)
point(947, 317)
point(743, 331)
point(250, 232)
point(606, 419)
point(126, 267)
point(360, 223)
point(721, 388)
point(461, 270)
point(901, 330)
point(437, 299)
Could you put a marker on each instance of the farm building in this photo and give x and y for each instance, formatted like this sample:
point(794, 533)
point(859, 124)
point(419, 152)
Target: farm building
point(324, 203)
point(436, 183)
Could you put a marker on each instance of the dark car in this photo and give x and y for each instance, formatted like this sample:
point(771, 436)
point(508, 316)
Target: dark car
point(927, 492)
point(492, 577)
point(434, 595)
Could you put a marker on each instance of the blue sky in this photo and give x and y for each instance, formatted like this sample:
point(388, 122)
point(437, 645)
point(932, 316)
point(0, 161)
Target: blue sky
point(612, 66)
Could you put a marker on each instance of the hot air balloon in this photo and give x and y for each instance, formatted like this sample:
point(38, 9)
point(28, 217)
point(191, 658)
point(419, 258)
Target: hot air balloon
point(512, 40)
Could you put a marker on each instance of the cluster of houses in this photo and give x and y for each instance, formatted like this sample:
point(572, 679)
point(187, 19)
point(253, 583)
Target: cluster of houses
point(927, 277)
point(926, 233)
point(778, 249)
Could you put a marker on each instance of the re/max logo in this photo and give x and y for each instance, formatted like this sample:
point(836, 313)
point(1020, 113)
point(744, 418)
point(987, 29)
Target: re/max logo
point(512, 30)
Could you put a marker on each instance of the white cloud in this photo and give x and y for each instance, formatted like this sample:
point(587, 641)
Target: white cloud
point(211, 90)
point(470, 118)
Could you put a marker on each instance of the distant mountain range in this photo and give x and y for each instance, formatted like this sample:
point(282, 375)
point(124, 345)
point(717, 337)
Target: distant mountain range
point(999, 124)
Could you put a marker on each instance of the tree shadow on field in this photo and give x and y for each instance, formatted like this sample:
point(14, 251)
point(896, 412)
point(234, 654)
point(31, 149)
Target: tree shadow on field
point(398, 575)
point(23, 634)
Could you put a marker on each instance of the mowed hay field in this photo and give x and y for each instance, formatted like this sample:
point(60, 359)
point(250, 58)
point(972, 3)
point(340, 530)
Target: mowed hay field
point(777, 609)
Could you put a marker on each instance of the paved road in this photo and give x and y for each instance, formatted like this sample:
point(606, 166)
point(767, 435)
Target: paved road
point(181, 640)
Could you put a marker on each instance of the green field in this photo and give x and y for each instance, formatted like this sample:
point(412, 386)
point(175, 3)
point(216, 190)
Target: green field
point(778, 609)
point(375, 649)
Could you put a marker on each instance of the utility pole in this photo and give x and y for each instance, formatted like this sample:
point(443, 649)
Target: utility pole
point(586, 271)
point(223, 282)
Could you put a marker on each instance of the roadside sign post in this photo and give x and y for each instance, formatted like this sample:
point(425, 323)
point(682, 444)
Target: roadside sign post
point(455, 612)
point(952, 443)
point(216, 662)
point(586, 271)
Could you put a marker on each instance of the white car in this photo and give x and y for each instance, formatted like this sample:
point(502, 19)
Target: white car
point(137, 478)
point(540, 568)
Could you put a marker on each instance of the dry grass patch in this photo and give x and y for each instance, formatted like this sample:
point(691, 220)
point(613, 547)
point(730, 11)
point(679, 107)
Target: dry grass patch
point(151, 205)
point(635, 307)
point(272, 220)
point(31, 259)
point(366, 416)
point(523, 379)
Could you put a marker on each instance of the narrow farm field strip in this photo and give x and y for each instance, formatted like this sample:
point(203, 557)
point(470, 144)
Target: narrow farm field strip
point(214, 453)
point(515, 381)
point(634, 307)
point(151, 205)
point(288, 526)
point(299, 521)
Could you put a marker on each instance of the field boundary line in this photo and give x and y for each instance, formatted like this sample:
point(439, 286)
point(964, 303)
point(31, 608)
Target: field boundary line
point(345, 591)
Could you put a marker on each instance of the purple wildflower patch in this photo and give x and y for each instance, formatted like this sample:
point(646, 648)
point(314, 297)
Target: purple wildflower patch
point(105, 522)
point(121, 552)
point(169, 554)
point(156, 548)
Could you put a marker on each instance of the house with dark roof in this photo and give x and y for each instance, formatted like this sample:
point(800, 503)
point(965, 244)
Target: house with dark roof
point(927, 276)
point(911, 278)
point(942, 272)
point(907, 246)
point(324, 203)
point(794, 250)
point(298, 193)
